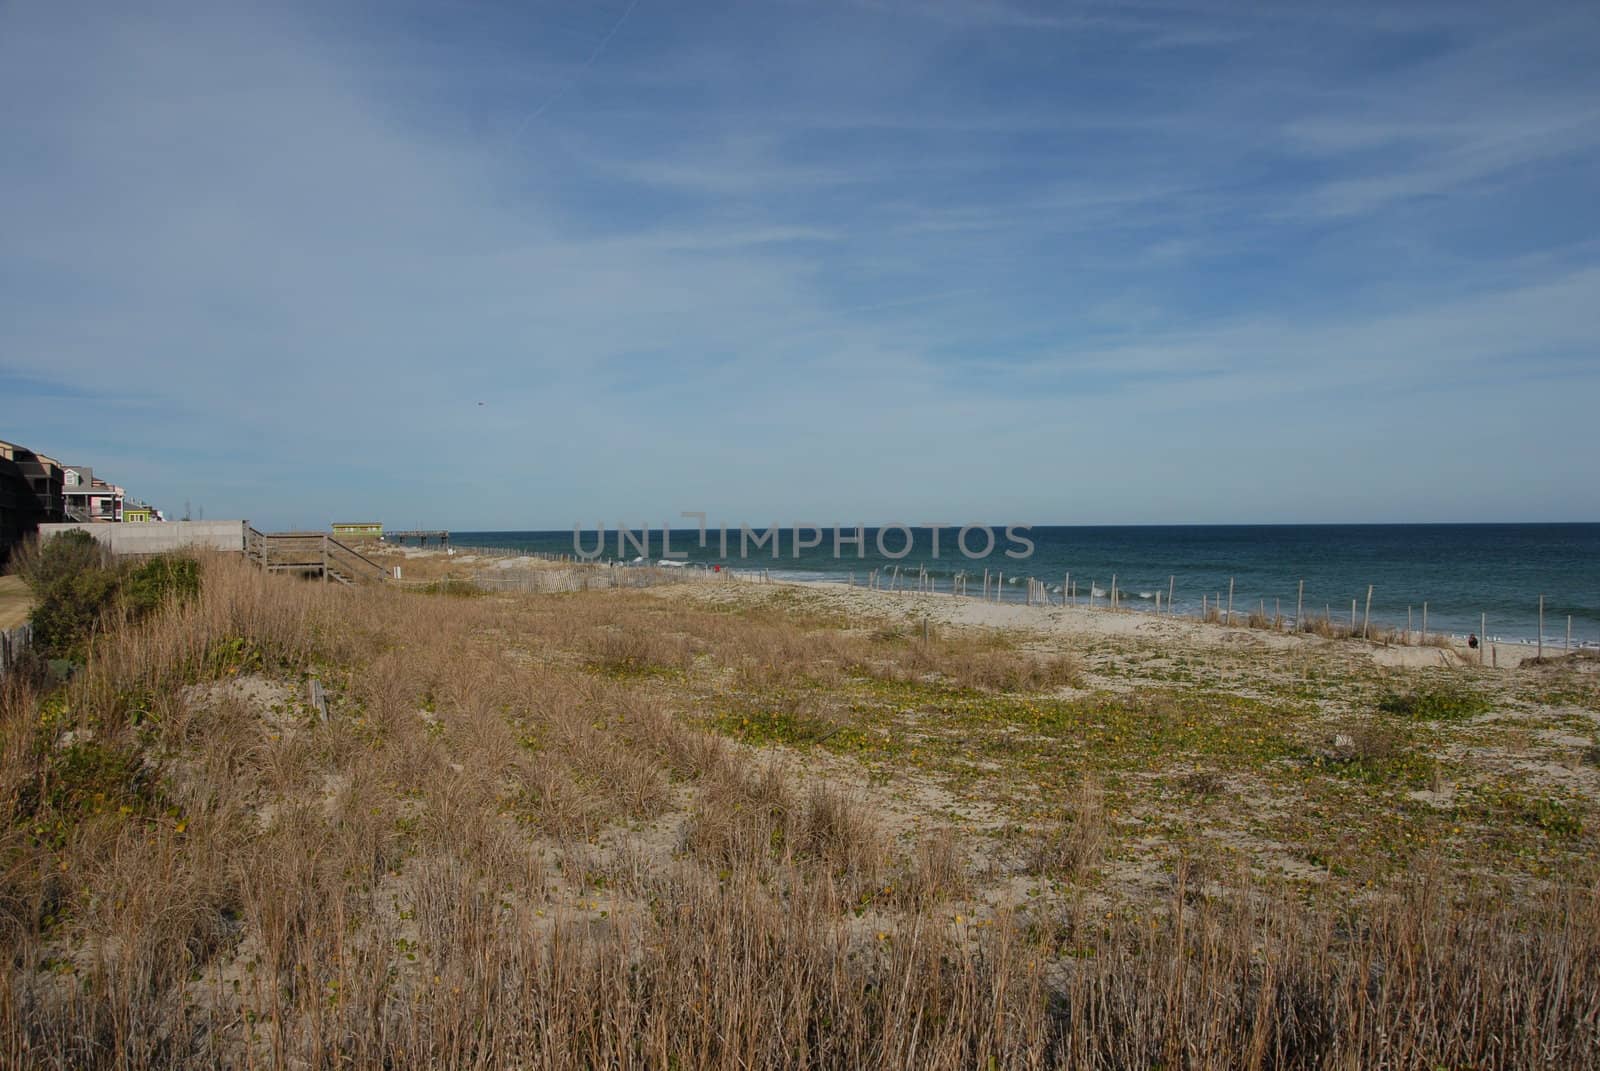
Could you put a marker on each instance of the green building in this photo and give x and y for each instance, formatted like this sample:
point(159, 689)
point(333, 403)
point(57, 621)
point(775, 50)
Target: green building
point(358, 530)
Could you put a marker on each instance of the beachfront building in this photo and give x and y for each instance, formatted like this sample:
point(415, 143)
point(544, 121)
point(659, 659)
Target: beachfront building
point(30, 493)
point(35, 490)
point(89, 498)
point(358, 529)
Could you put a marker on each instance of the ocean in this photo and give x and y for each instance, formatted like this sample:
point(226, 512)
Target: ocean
point(1460, 570)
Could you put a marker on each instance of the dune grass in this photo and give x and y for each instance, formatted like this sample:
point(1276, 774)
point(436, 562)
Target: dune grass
point(536, 831)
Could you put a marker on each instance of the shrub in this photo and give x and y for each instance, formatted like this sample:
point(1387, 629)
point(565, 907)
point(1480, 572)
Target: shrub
point(1377, 753)
point(149, 585)
point(77, 581)
point(1434, 702)
point(461, 589)
point(1204, 783)
point(42, 564)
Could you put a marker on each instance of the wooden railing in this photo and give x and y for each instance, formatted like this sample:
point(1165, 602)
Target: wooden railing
point(311, 552)
point(351, 562)
point(255, 546)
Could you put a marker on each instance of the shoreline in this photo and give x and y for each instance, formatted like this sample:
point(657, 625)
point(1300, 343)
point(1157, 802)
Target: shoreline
point(1102, 622)
point(1138, 622)
point(1014, 592)
point(1147, 610)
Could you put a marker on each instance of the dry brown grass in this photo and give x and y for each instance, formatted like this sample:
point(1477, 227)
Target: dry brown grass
point(1337, 629)
point(506, 847)
point(1074, 842)
point(937, 870)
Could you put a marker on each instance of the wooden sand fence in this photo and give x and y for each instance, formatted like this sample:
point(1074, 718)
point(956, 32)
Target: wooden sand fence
point(992, 586)
point(1219, 609)
point(464, 549)
point(12, 643)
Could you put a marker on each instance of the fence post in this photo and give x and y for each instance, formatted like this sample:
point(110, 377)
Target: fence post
point(12, 644)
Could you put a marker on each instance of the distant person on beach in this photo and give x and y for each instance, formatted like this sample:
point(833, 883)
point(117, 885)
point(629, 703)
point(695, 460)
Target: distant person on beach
point(1472, 641)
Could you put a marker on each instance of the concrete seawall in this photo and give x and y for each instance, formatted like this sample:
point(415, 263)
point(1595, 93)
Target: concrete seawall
point(158, 537)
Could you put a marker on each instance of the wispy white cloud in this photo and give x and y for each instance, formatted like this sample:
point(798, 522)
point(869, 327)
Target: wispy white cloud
point(1546, 325)
point(754, 261)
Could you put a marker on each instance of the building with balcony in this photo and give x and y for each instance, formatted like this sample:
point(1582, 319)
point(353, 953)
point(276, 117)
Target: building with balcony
point(89, 498)
point(31, 493)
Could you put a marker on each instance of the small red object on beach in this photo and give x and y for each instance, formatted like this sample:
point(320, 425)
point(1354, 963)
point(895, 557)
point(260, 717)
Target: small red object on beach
point(716, 568)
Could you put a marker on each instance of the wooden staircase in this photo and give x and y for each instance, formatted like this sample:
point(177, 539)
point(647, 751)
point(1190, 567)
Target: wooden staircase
point(313, 554)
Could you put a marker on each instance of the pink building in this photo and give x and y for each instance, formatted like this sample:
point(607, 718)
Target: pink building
point(88, 498)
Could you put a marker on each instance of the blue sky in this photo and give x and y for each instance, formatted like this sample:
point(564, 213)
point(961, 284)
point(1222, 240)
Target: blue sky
point(953, 260)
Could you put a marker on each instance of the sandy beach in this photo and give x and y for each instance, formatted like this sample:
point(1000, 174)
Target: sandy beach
point(500, 571)
point(1076, 621)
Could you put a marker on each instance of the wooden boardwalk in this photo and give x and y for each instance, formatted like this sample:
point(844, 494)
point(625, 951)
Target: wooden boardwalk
point(314, 553)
